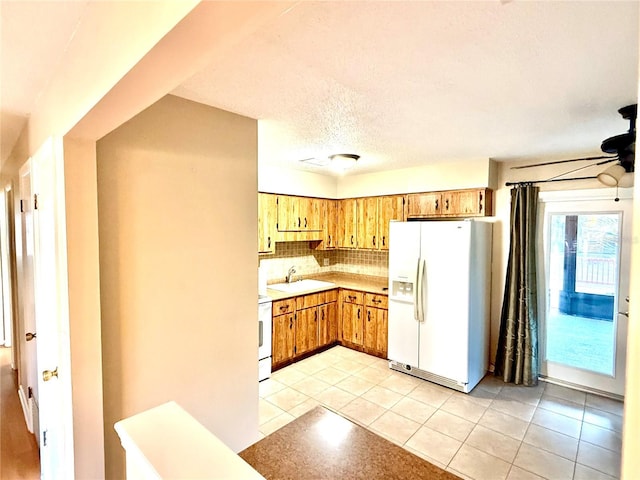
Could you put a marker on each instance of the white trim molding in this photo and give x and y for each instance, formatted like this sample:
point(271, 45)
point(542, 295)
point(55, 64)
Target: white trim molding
point(590, 194)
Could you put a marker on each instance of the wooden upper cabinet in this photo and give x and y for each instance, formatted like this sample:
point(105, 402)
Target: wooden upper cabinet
point(367, 228)
point(424, 204)
point(267, 218)
point(310, 211)
point(389, 208)
point(471, 202)
point(288, 216)
point(475, 202)
point(348, 223)
point(299, 214)
point(330, 240)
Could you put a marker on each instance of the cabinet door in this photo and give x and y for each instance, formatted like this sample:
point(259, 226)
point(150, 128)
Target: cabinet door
point(332, 320)
point(283, 338)
point(288, 215)
point(310, 212)
point(382, 331)
point(370, 329)
point(376, 330)
point(389, 208)
point(267, 219)
point(323, 326)
point(327, 324)
point(424, 204)
point(306, 330)
point(465, 203)
point(352, 323)
point(367, 230)
point(330, 230)
point(347, 223)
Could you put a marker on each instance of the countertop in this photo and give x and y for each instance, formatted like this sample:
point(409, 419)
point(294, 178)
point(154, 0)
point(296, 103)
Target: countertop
point(322, 444)
point(363, 283)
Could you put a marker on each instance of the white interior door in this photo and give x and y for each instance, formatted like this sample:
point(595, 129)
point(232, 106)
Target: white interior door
point(51, 311)
point(28, 369)
point(587, 246)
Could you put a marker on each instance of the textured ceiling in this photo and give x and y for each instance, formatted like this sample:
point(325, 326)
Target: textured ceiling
point(407, 83)
point(399, 83)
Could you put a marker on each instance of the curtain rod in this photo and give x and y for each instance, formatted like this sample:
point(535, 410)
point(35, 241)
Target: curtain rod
point(531, 182)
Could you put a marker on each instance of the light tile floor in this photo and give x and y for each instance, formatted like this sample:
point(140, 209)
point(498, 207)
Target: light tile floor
point(499, 431)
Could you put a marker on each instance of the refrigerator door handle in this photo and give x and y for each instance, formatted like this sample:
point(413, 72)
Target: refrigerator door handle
point(423, 269)
point(416, 289)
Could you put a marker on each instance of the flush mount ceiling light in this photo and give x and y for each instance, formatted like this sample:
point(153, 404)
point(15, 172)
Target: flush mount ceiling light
point(343, 161)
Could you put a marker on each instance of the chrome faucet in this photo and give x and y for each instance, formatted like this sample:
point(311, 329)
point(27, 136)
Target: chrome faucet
point(290, 273)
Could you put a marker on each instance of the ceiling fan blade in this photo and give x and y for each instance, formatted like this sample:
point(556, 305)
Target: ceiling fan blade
point(556, 162)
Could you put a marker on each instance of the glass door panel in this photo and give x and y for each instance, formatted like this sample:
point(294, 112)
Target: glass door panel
point(586, 283)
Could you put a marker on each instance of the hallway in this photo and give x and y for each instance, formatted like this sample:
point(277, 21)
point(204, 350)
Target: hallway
point(18, 449)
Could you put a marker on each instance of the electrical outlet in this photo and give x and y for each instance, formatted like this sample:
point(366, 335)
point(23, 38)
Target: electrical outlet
point(325, 262)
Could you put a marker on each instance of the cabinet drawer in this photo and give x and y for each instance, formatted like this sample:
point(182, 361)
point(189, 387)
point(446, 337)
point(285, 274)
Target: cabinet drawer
point(311, 300)
point(284, 306)
point(315, 299)
point(351, 296)
point(377, 301)
point(331, 296)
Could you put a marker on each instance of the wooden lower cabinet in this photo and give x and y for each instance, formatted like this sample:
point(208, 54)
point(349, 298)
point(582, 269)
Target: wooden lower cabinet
point(376, 330)
point(282, 339)
point(310, 322)
point(306, 323)
point(328, 324)
point(306, 330)
point(352, 323)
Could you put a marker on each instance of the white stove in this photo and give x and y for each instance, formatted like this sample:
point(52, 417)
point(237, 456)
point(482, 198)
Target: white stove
point(264, 337)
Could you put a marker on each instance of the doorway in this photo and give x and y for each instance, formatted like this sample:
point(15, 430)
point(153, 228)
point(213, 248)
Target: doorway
point(586, 257)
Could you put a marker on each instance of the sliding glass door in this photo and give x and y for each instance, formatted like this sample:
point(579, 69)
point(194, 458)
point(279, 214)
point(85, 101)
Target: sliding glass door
point(586, 285)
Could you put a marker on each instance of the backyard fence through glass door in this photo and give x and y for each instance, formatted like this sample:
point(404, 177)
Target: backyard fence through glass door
point(586, 265)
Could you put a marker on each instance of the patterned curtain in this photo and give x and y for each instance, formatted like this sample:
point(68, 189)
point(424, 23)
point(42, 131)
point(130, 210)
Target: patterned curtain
point(517, 355)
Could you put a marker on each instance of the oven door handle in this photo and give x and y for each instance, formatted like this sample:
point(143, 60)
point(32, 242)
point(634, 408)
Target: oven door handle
point(260, 332)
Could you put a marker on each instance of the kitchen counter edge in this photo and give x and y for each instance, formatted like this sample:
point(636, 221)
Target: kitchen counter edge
point(362, 283)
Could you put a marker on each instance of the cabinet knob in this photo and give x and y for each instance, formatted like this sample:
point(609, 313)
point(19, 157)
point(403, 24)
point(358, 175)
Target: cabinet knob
point(437, 206)
point(351, 239)
point(30, 336)
point(480, 203)
point(374, 240)
point(305, 222)
point(269, 242)
point(384, 243)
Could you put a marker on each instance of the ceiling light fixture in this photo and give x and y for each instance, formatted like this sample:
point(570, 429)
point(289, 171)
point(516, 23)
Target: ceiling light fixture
point(612, 175)
point(343, 161)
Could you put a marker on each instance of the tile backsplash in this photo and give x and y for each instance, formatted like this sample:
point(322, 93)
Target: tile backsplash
point(309, 262)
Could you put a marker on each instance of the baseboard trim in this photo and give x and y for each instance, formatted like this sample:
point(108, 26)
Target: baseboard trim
point(26, 408)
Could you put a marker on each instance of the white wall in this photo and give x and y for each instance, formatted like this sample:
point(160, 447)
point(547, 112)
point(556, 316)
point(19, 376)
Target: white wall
point(177, 209)
point(440, 176)
point(425, 178)
point(273, 179)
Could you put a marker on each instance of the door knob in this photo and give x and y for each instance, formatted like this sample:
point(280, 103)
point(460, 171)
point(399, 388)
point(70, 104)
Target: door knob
point(49, 374)
point(626, 314)
point(30, 336)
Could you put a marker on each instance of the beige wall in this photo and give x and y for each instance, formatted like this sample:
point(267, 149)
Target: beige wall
point(177, 207)
point(295, 182)
point(440, 176)
point(84, 306)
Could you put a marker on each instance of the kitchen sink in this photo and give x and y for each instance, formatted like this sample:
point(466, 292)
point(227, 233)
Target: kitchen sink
point(301, 286)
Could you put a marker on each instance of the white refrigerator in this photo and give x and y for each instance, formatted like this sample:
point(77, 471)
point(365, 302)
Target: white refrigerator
point(439, 287)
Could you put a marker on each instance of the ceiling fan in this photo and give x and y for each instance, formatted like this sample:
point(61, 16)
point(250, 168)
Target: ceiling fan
point(619, 148)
